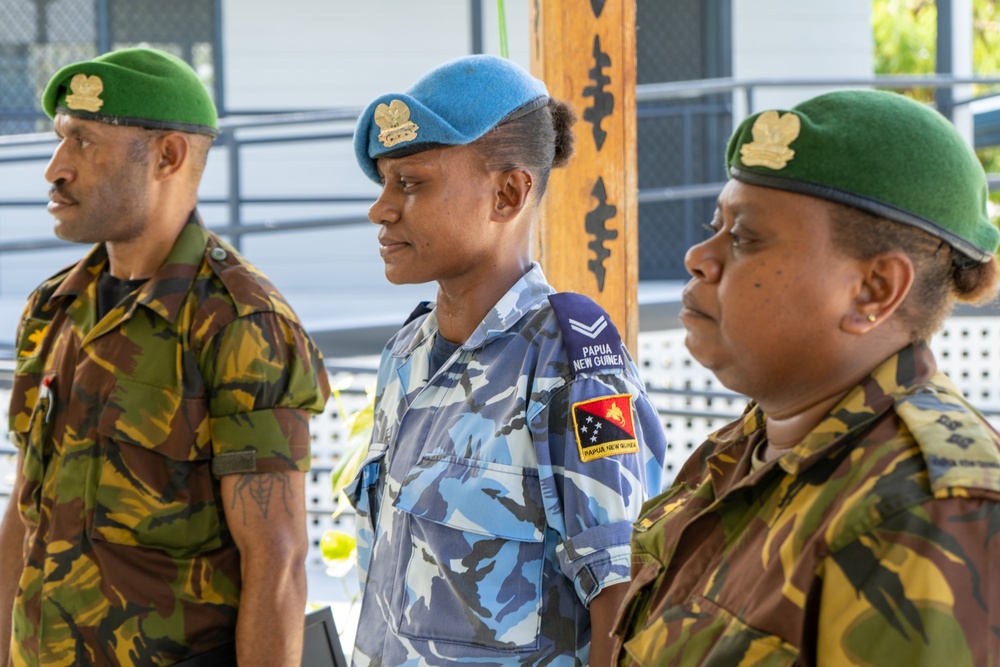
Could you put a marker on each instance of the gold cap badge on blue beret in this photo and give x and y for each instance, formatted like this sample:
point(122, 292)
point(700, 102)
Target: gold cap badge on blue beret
point(394, 121)
point(86, 91)
point(772, 135)
point(452, 105)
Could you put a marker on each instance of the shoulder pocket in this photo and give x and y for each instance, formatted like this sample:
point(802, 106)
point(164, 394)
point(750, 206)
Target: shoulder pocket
point(464, 511)
point(156, 489)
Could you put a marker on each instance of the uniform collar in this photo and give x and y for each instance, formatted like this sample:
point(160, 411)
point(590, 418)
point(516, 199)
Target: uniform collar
point(525, 295)
point(893, 379)
point(165, 291)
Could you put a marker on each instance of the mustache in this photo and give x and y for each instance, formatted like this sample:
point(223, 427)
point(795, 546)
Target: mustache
point(59, 192)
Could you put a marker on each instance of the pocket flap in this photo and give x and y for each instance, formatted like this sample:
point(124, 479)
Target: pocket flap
point(475, 496)
point(158, 419)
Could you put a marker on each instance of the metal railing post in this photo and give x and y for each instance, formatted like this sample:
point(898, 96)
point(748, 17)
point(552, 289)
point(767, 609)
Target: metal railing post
point(234, 200)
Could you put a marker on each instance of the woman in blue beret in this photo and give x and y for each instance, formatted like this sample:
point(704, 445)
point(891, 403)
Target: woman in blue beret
point(511, 452)
point(852, 515)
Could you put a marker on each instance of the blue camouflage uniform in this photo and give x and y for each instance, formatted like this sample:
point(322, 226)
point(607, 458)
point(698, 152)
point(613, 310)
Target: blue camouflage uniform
point(497, 496)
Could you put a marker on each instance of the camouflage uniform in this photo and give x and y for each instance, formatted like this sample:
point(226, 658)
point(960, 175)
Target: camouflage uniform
point(869, 543)
point(490, 534)
point(121, 423)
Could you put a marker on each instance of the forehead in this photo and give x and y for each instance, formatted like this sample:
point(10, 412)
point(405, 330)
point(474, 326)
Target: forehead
point(441, 158)
point(740, 197)
point(66, 125)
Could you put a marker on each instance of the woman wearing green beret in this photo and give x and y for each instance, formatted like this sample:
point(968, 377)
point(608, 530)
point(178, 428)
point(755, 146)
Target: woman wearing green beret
point(851, 516)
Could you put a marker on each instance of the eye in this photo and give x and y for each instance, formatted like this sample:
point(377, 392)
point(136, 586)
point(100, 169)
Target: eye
point(82, 142)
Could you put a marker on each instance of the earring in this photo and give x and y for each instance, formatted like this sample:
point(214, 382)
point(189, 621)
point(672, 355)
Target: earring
point(871, 317)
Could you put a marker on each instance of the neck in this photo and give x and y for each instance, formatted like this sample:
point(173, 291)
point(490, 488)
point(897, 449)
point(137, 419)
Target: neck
point(793, 415)
point(142, 256)
point(462, 306)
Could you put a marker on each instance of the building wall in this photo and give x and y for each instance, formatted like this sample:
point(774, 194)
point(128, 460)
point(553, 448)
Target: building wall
point(781, 39)
point(312, 54)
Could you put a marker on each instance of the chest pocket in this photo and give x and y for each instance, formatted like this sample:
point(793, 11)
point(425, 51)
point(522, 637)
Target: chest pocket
point(703, 634)
point(365, 493)
point(474, 544)
point(156, 488)
point(31, 420)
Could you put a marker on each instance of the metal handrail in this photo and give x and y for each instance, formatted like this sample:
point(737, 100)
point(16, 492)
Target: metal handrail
point(233, 125)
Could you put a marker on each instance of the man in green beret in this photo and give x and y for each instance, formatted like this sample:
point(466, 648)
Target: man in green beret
point(160, 404)
point(851, 516)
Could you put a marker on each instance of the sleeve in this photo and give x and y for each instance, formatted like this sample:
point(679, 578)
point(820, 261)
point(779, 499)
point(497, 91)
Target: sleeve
point(600, 448)
point(919, 590)
point(264, 378)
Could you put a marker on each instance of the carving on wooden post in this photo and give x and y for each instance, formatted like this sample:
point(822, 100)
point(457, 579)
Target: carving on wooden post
point(596, 225)
point(604, 101)
point(586, 238)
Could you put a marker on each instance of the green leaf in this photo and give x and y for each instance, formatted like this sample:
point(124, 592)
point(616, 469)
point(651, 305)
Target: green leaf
point(337, 546)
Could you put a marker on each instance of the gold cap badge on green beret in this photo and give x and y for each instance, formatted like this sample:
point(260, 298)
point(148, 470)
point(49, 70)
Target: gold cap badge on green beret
point(876, 151)
point(772, 135)
point(394, 120)
point(138, 87)
point(86, 90)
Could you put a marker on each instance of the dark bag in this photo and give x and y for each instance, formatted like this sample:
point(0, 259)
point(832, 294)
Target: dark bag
point(321, 647)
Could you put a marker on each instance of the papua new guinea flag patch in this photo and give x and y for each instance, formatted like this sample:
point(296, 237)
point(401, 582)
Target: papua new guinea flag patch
point(604, 427)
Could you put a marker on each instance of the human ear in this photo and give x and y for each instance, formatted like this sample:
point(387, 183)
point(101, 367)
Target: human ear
point(885, 281)
point(512, 194)
point(172, 152)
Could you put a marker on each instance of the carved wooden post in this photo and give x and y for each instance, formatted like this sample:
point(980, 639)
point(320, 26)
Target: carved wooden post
point(587, 238)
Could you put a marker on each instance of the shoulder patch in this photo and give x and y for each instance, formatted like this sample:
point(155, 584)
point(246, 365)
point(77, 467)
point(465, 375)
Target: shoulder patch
point(592, 340)
point(960, 448)
point(604, 427)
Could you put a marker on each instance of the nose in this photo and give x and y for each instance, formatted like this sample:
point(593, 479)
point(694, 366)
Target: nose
point(59, 169)
point(703, 260)
point(383, 211)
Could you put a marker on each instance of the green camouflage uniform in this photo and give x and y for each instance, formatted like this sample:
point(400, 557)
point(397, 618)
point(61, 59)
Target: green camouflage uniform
point(121, 423)
point(875, 541)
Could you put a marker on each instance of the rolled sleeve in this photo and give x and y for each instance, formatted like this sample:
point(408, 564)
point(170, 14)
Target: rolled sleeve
point(591, 504)
point(264, 378)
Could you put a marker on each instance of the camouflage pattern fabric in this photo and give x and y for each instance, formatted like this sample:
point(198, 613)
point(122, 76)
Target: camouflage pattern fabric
point(870, 543)
point(482, 533)
point(128, 559)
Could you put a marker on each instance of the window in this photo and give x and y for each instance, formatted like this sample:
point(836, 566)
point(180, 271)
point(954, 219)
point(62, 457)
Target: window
point(37, 37)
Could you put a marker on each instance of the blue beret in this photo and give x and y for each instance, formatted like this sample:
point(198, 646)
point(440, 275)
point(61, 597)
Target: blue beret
point(452, 105)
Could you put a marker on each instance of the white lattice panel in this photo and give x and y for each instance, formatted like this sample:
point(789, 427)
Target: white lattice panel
point(691, 403)
point(968, 350)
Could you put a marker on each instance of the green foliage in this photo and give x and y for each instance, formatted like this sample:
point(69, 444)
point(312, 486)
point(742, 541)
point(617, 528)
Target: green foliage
point(339, 548)
point(905, 34)
point(905, 39)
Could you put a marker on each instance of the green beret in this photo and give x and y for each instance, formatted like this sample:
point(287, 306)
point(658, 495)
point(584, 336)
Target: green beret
point(877, 151)
point(136, 87)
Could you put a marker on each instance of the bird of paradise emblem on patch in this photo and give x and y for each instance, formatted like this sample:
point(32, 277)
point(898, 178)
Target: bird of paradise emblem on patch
point(604, 427)
point(394, 120)
point(85, 93)
point(772, 135)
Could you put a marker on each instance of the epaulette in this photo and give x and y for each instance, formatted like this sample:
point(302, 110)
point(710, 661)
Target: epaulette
point(592, 340)
point(960, 449)
point(249, 289)
point(422, 308)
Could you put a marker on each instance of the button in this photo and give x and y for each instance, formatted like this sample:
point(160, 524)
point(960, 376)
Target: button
point(218, 254)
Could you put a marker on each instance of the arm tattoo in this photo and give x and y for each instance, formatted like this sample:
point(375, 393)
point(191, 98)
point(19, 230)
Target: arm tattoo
point(260, 488)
